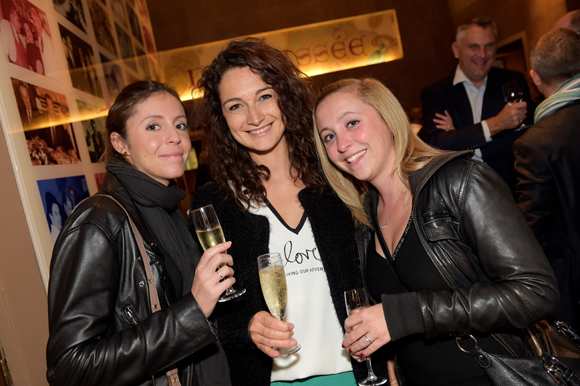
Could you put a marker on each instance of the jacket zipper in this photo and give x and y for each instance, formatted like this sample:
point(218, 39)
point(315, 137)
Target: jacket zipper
point(130, 315)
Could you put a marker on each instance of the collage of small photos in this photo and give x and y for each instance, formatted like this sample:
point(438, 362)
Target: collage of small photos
point(107, 44)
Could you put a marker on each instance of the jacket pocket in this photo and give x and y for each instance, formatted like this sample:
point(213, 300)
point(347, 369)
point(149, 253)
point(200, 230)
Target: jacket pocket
point(440, 226)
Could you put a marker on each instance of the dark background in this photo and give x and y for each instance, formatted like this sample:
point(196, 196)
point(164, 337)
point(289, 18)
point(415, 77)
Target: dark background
point(427, 29)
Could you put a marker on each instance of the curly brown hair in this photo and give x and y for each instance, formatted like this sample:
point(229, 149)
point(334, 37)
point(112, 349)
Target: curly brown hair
point(232, 167)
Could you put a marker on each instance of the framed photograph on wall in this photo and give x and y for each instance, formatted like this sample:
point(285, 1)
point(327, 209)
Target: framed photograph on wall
point(94, 129)
point(148, 37)
point(46, 122)
point(73, 11)
point(102, 26)
point(80, 60)
point(26, 37)
point(119, 12)
point(126, 47)
point(113, 77)
point(59, 197)
point(134, 22)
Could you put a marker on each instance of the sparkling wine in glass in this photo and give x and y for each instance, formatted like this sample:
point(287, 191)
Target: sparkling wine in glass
point(273, 282)
point(356, 300)
point(209, 232)
point(512, 93)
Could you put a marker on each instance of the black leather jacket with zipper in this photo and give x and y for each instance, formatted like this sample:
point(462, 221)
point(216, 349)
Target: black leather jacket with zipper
point(479, 241)
point(102, 331)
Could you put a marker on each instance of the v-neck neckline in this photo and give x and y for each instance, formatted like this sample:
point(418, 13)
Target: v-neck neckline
point(383, 244)
point(279, 217)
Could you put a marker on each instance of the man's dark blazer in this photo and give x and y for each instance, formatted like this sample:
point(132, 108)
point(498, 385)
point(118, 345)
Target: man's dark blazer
point(442, 95)
point(548, 192)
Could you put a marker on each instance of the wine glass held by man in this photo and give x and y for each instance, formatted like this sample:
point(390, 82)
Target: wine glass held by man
point(512, 93)
point(103, 330)
point(270, 195)
point(447, 250)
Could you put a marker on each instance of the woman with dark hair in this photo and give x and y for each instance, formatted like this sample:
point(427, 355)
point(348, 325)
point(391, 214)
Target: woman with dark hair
point(70, 199)
point(103, 330)
point(54, 215)
point(444, 250)
point(270, 196)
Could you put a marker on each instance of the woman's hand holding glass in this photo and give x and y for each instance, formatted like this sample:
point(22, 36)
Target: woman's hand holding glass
point(209, 232)
point(267, 332)
point(369, 322)
point(207, 285)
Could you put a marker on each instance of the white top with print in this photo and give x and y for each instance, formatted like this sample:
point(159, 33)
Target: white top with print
point(310, 308)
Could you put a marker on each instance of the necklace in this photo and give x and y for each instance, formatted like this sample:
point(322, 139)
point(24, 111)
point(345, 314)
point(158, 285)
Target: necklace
point(383, 225)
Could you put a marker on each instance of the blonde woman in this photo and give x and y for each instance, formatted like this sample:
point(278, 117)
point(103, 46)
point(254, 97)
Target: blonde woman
point(443, 247)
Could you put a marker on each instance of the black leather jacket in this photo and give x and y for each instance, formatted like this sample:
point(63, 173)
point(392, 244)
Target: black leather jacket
point(473, 232)
point(102, 331)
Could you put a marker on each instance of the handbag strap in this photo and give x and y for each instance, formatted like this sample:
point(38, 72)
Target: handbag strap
point(153, 296)
point(173, 374)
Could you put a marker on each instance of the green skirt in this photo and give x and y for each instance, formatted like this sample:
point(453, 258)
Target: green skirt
point(342, 379)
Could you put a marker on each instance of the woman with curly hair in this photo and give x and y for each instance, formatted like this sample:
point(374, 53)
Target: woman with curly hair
point(271, 196)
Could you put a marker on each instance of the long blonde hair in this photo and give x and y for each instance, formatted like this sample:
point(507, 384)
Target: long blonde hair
point(411, 153)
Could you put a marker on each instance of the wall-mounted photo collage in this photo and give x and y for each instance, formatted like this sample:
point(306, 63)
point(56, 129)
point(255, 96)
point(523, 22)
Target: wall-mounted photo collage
point(65, 62)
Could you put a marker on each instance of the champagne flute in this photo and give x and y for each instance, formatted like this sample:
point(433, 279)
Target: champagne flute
point(512, 93)
point(273, 282)
point(209, 232)
point(356, 300)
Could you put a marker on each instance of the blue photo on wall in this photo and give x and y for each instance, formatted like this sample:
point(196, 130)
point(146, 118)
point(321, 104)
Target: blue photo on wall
point(59, 197)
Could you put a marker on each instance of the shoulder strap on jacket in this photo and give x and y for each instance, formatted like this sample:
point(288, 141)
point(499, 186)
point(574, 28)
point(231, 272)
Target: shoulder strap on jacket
point(153, 297)
point(172, 374)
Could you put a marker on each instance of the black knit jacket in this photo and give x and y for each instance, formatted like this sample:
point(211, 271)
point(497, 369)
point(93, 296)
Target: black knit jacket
point(333, 229)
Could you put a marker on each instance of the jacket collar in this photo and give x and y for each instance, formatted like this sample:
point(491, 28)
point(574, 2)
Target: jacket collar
point(419, 178)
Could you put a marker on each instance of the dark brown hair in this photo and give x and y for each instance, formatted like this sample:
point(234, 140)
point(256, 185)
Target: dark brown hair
point(124, 108)
point(230, 163)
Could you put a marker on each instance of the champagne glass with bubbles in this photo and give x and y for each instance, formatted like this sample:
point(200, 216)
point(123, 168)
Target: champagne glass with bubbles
point(273, 282)
point(356, 300)
point(209, 232)
point(512, 93)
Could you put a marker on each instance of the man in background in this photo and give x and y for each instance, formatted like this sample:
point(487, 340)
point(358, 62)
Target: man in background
point(57, 134)
point(548, 164)
point(29, 114)
point(571, 20)
point(467, 110)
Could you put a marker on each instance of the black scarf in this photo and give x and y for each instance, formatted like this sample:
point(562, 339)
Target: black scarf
point(158, 204)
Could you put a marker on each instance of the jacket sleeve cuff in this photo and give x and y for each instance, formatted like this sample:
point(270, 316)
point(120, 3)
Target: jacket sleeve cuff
point(403, 315)
point(190, 314)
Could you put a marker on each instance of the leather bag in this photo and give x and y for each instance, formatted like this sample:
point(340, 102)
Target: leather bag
point(554, 360)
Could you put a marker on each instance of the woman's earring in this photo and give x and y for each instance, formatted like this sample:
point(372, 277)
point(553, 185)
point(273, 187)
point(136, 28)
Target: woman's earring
point(125, 153)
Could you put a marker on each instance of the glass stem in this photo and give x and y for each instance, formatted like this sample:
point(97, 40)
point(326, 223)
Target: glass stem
point(230, 290)
point(371, 375)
